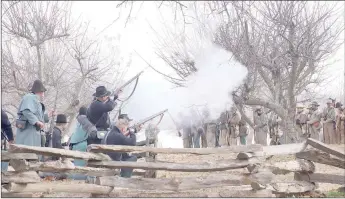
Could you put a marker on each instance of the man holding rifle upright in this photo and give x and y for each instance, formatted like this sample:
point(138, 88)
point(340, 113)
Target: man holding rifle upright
point(98, 112)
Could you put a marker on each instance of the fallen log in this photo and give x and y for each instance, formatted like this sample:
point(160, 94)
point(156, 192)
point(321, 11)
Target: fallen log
point(291, 187)
point(6, 156)
point(320, 177)
point(176, 184)
point(198, 151)
point(57, 187)
point(202, 167)
point(142, 154)
point(323, 147)
point(246, 194)
point(282, 168)
point(17, 195)
point(230, 193)
point(47, 151)
point(69, 168)
point(158, 195)
point(19, 165)
point(284, 149)
point(298, 165)
point(21, 177)
point(322, 158)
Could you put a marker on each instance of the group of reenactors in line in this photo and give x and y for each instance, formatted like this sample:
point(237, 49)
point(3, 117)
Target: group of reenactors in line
point(93, 127)
point(330, 121)
point(232, 129)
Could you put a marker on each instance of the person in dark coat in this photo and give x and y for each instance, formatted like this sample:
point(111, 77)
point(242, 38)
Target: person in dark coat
point(121, 135)
point(58, 142)
point(6, 135)
point(98, 111)
point(58, 133)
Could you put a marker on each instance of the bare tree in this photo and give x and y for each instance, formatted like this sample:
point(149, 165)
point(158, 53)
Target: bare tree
point(37, 22)
point(89, 67)
point(178, 7)
point(285, 44)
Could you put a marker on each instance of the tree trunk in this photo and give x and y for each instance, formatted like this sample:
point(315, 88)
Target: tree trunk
point(51, 127)
point(73, 113)
point(39, 63)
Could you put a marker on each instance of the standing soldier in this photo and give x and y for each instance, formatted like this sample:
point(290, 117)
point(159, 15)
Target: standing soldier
point(223, 129)
point(301, 121)
point(187, 131)
point(211, 134)
point(31, 117)
point(234, 120)
point(204, 137)
point(273, 124)
point(340, 122)
point(243, 131)
point(329, 124)
point(260, 128)
point(205, 119)
point(217, 133)
point(151, 133)
point(314, 121)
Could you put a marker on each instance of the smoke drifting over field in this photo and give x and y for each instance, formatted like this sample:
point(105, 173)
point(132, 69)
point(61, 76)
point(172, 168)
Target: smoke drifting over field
point(216, 76)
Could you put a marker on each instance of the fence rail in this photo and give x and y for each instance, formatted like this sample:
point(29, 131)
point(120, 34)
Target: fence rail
point(259, 181)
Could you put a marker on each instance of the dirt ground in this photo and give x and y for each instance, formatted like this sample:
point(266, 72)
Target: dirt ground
point(323, 187)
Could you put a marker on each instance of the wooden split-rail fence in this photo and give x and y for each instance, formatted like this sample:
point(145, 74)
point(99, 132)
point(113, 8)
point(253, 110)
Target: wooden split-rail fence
point(259, 180)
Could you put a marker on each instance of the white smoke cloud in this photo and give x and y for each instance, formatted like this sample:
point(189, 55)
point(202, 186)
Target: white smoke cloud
point(216, 76)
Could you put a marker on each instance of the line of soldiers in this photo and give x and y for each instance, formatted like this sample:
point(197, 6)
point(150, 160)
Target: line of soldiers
point(223, 132)
point(330, 120)
point(231, 129)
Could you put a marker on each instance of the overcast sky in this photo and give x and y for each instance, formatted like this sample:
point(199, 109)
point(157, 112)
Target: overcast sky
point(137, 35)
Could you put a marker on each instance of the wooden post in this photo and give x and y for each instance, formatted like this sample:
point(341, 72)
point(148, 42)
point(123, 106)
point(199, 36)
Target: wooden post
point(150, 157)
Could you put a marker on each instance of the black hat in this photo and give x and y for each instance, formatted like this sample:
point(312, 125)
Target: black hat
point(61, 119)
point(82, 110)
point(124, 116)
point(101, 91)
point(37, 87)
point(338, 105)
point(314, 103)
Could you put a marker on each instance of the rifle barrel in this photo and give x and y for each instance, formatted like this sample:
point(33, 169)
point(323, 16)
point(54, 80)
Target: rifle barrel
point(151, 117)
point(130, 80)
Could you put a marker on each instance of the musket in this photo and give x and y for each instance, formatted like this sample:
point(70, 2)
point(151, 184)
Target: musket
point(143, 121)
point(123, 86)
point(51, 126)
point(128, 82)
